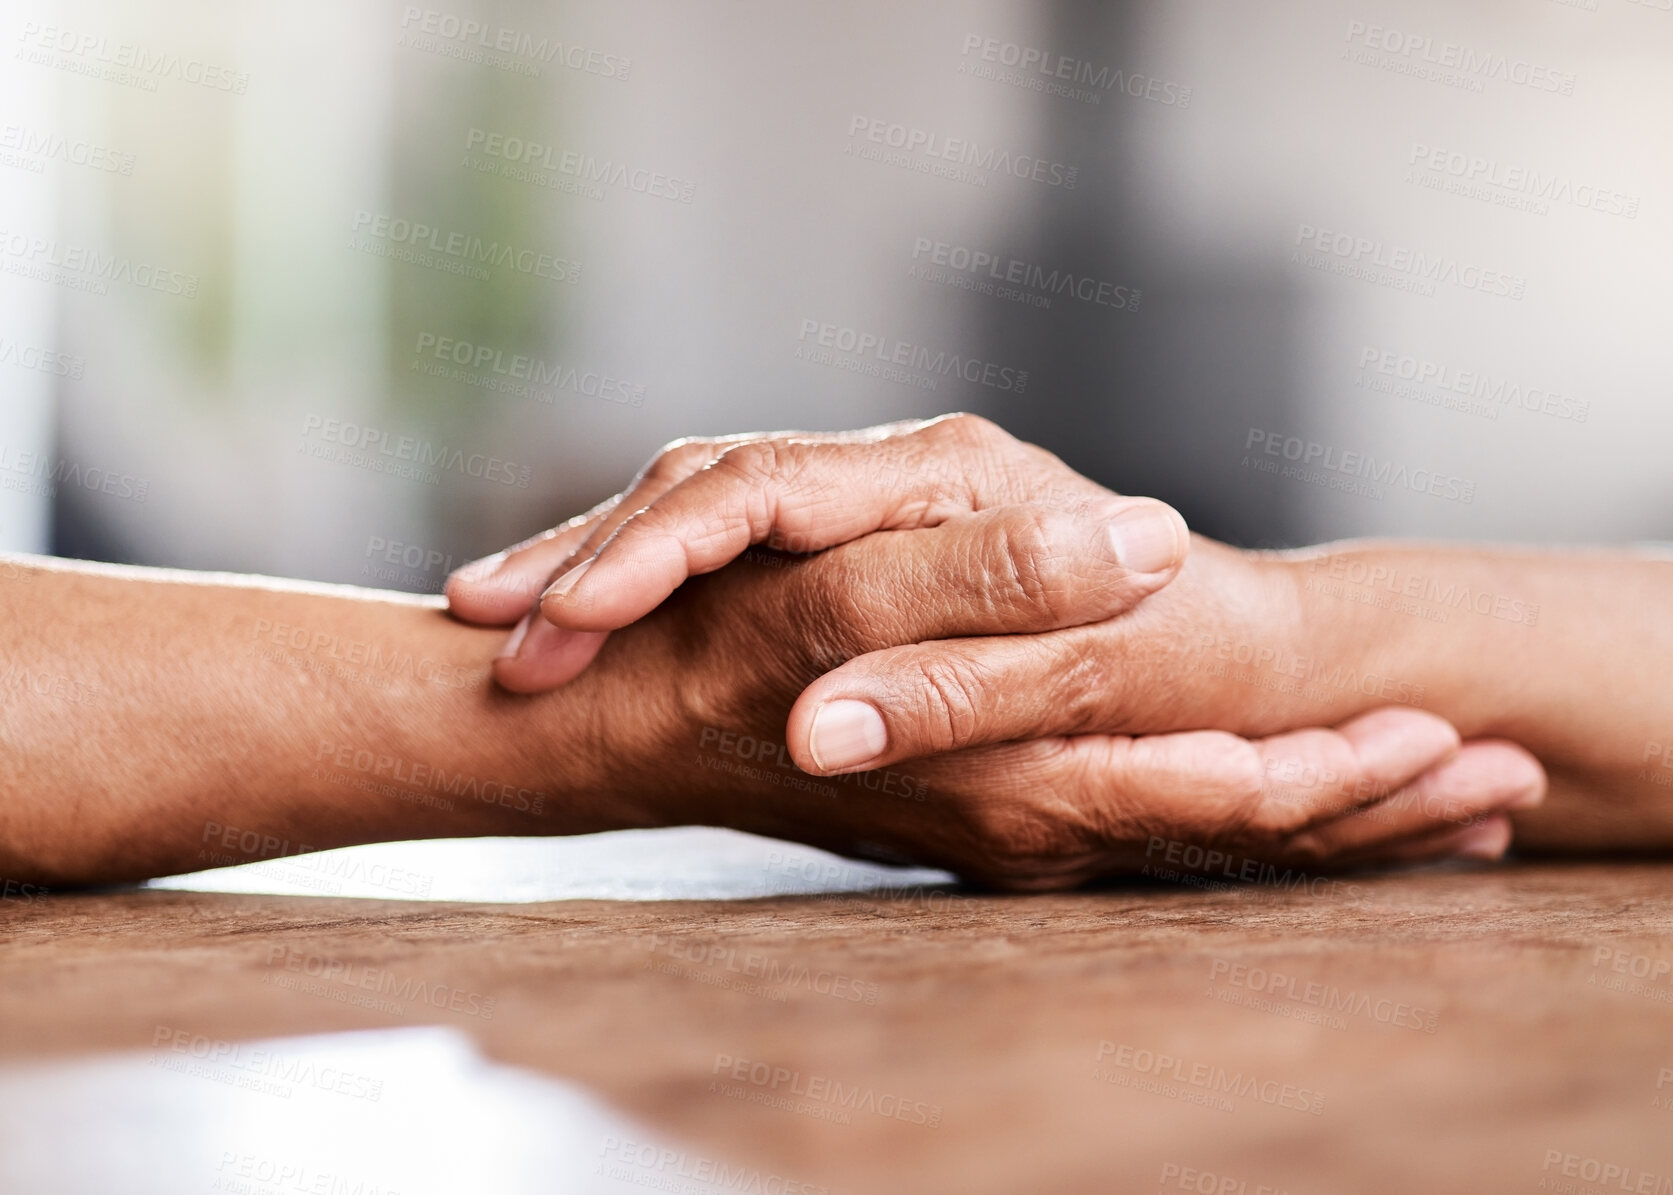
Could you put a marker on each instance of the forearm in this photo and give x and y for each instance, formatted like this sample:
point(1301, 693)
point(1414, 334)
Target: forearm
point(1567, 653)
point(155, 722)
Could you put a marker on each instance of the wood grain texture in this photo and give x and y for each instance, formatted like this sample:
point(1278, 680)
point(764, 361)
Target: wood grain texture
point(1024, 1025)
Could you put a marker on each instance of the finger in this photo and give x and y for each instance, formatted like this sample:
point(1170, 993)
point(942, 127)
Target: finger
point(1058, 811)
point(501, 588)
point(539, 656)
point(1486, 777)
point(937, 693)
point(1004, 570)
point(805, 496)
point(672, 464)
point(498, 590)
point(1017, 569)
point(1300, 778)
point(1485, 841)
point(681, 459)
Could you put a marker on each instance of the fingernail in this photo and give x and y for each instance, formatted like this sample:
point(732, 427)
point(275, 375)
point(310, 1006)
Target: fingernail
point(1145, 539)
point(560, 587)
point(516, 638)
point(846, 734)
point(1529, 798)
point(478, 571)
point(1488, 842)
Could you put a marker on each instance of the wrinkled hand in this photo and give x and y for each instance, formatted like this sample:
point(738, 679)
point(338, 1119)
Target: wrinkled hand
point(701, 503)
point(980, 610)
point(689, 705)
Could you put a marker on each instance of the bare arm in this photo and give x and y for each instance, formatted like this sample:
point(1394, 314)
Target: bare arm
point(1569, 653)
point(155, 721)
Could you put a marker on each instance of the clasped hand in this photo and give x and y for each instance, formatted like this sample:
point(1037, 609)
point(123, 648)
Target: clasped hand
point(1038, 652)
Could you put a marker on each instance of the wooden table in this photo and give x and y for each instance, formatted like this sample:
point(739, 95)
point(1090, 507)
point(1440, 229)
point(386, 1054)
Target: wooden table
point(1503, 1029)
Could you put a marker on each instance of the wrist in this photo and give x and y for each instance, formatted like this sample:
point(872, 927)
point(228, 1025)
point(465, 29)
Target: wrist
point(1456, 633)
point(1250, 652)
point(1348, 619)
point(1289, 644)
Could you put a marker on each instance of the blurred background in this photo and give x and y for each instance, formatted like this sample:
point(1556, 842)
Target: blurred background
point(357, 292)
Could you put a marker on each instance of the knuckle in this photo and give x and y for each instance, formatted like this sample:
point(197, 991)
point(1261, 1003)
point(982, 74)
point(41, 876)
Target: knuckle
point(1086, 690)
point(1230, 780)
point(1310, 849)
point(1034, 565)
point(752, 460)
point(1024, 844)
point(1278, 812)
point(1038, 826)
point(678, 459)
point(949, 693)
point(972, 431)
point(829, 614)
